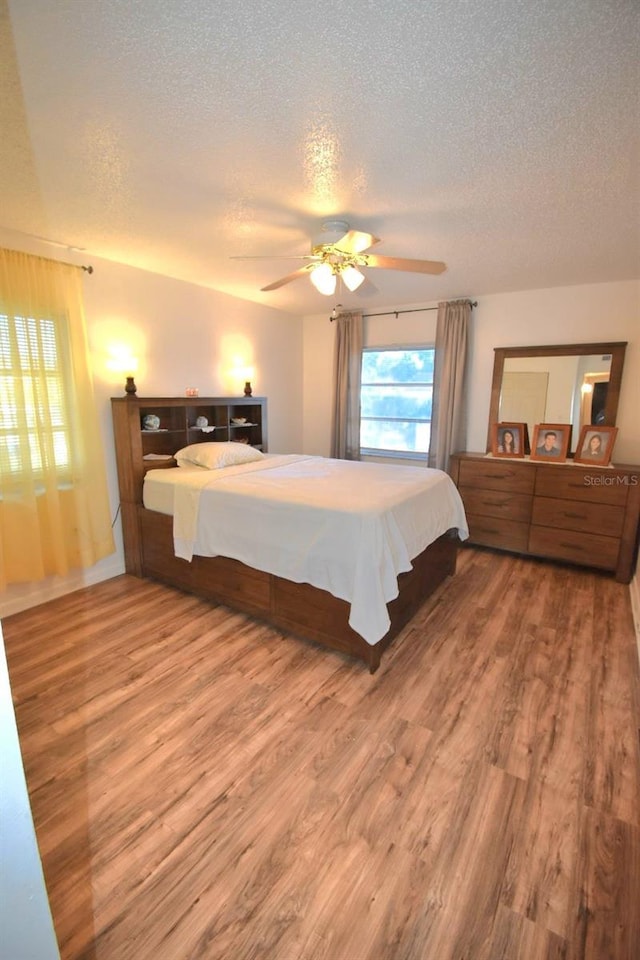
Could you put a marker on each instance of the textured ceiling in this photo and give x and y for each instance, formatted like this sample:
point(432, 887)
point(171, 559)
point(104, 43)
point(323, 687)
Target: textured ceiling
point(500, 136)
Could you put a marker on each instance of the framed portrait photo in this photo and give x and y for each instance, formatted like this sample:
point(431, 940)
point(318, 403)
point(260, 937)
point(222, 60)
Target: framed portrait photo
point(596, 445)
point(551, 442)
point(509, 439)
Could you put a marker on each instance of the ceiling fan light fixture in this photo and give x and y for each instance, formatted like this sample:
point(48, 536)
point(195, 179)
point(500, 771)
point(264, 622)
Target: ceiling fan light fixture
point(324, 279)
point(352, 277)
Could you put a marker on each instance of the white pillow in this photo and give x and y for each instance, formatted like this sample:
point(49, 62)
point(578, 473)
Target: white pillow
point(216, 455)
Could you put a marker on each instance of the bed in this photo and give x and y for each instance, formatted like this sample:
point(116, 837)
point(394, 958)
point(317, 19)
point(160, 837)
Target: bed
point(340, 553)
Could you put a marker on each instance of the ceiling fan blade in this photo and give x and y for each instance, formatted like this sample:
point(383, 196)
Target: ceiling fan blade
point(301, 272)
point(301, 256)
point(399, 263)
point(355, 242)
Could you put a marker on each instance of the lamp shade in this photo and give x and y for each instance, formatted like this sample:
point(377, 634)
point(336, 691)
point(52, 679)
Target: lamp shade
point(324, 279)
point(352, 277)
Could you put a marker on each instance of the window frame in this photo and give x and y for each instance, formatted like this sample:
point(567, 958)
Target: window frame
point(382, 452)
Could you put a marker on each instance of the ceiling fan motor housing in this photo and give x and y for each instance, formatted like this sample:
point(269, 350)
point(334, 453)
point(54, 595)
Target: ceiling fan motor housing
point(332, 231)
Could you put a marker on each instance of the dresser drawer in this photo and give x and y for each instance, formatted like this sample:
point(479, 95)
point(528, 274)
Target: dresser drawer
point(497, 475)
point(587, 549)
point(497, 503)
point(493, 532)
point(599, 518)
point(577, 483)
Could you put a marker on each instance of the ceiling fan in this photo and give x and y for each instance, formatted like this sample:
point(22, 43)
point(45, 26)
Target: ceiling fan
point(341, 252)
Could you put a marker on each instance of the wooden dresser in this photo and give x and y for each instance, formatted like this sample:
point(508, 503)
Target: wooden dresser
point(568, 512)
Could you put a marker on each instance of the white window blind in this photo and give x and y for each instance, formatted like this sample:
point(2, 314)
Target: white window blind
point(32, 395)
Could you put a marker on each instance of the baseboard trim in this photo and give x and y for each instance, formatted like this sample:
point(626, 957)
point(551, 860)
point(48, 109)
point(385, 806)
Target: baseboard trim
point(35, 594)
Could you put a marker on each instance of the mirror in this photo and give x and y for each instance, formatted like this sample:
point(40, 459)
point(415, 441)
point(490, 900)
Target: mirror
point(577, 383)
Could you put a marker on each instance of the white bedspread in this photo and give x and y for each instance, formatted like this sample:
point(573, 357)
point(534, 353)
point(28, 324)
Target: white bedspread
point(347, 527)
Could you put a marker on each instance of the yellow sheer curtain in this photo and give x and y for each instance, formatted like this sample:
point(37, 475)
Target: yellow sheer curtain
point(54, 508)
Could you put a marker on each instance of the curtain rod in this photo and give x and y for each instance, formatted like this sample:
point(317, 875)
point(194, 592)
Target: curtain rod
point(394, 313)
point(79, 266)
point(88, 269)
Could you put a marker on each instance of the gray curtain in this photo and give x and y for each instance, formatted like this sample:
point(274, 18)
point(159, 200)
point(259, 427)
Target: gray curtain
point(345, 436)
point(448, 417)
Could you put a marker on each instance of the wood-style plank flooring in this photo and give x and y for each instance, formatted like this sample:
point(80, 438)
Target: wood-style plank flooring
point(205, 789)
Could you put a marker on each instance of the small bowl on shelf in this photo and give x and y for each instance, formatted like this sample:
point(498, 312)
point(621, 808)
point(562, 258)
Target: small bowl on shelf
point(151, 422)
point(239, 421)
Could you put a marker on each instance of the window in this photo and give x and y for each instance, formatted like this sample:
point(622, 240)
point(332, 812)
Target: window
point(32, 395)
point(395, 401)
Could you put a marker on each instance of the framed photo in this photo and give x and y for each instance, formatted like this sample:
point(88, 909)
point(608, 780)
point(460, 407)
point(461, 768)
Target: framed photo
point(596, 445)
point(509, 439)
point(551, 441)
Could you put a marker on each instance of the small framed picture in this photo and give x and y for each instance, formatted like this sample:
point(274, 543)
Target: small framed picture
point(596, 445)
point(509, 439)
point(551, 441)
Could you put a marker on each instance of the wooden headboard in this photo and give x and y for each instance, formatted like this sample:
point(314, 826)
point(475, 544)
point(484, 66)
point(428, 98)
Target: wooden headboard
point(140, 448)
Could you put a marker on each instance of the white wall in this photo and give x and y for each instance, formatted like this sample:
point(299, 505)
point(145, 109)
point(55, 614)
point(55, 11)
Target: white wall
point(26, 926)
point(182, 336)
point(583, 314)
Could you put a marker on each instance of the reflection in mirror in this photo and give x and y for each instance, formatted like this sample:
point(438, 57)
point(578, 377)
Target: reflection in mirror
point(555, 390)
point(576, 383)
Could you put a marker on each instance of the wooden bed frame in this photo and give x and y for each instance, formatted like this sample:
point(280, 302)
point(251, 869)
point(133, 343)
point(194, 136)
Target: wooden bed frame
point(298, 608)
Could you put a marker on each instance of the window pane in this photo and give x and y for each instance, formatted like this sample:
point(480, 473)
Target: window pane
point(61, 449)
point(397, 366)
point(401, 401)
point(8, 412)
point(55, 401)
point(5, 347)
point(398, 436)
point(396, 400)
point(10, 457)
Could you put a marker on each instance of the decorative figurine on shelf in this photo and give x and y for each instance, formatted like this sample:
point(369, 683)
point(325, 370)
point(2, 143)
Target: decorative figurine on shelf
point(130, 387)
point(247, 389)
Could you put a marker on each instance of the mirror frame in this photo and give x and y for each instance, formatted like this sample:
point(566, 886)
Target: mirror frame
point(617, 351)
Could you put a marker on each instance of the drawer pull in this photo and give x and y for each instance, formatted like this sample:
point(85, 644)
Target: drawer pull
point(575, 516)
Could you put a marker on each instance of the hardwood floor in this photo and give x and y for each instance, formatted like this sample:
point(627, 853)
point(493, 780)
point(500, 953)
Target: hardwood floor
point(203, 788)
